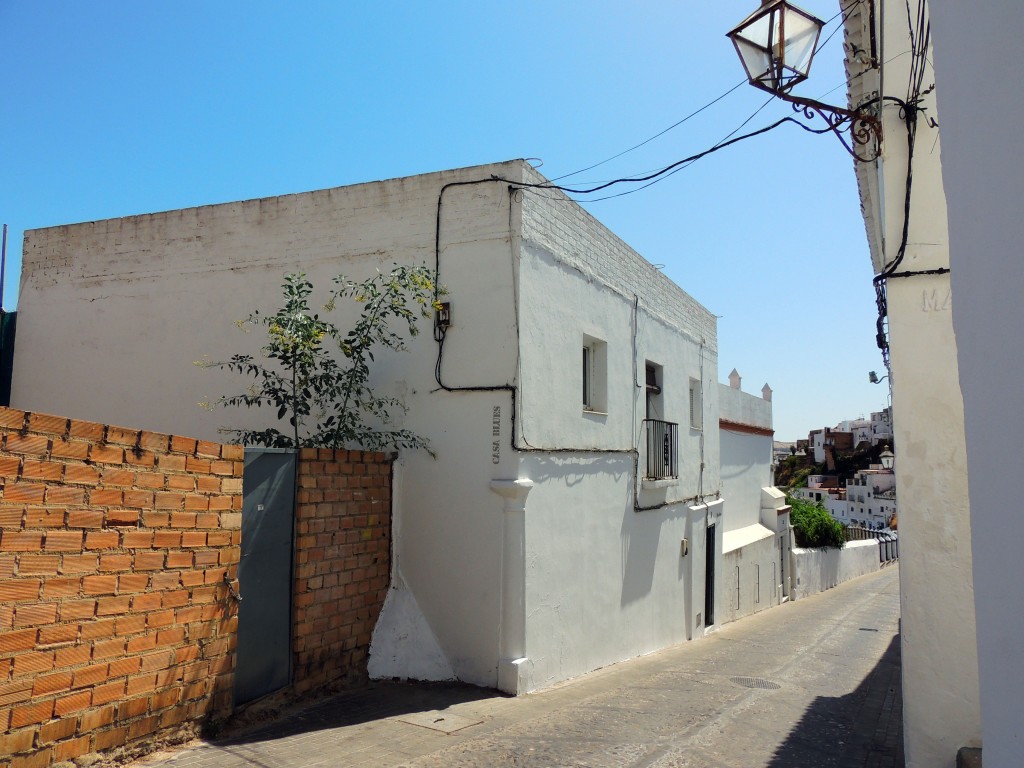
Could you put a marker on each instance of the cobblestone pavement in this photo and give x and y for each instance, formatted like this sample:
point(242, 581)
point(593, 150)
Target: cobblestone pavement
point(811, 683)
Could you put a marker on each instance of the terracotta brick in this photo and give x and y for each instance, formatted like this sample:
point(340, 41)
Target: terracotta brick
point(16, 741)
point(124, 667)
point(63, 541)
point(64, 495)
point(86, 429)
point(132, 708)
point(140, 458)
point(43, 517)
point(180, 483)
point(231, 485)
point(142, 643)
point(34, 712)
point(85, 518)
point(20, 640)
point(207, 448)
point(99, 585)
point(59, 682)
point(11, 517)
point(151, 519)
point(31, 445)
point(131, 624)
point(221, 503)
point(18, 492)
point(69, 449)
point(159, 619)
point(102, 540)
point(132, 582)
point(40, 470)
point(72, 610)
point(34, 614)
point(81, 474)
point(57, 729)
point(179, 559)
point(37, 759)
point(100, 629)
point(165, 699)
point(143, 727)
point(206, 557)
point(111, 606)
point(207, 520)
point(154, 480)
point(208, 484)
point(116, 476)
point(117, 517)
point(146, 602)
point(175, 599)
point(97, 718)
point(182, 444)
point(232, 452)
point(188, 615)
point(122, 435)
point(113, 737)
point(70, 657)
point(106, 454)
point(144, 683)
point(167, 539)
point(59, 633)
point(20, 589)
point(199, 466)
point(195, 502)
point(154, 441)
point(183, 519)
point(167, 500)
point(66, 750)
point(191, 578)
point(138, 499)
point(12, 693)
point(137, 539)
point(149, 561)
point(231, 520)
point(170, 636)
point(106, 497)
point(193, 539)
point(89, 676)
point(113, 562)
point(104, 649)
point(78, 564)
point(154, 662)
point(73, 703)
point(171, 462)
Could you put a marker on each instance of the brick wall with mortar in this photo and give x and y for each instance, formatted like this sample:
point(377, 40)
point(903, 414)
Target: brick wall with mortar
point(115, 622)
point(342, 563)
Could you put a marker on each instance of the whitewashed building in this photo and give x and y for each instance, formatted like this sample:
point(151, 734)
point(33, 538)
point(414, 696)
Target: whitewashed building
point(890, 62)
point(575, 504)
point(756, 543)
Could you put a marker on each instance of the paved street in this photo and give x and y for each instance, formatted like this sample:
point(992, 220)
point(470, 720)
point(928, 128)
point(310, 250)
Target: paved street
point(811, 683)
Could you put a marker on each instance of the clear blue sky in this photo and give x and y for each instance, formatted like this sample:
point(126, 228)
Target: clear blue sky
point(117, 108)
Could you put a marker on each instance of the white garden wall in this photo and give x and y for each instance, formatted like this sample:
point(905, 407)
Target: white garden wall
point(816, 570)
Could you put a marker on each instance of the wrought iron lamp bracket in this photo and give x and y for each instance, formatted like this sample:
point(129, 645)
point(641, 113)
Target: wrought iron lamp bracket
point(865, 138)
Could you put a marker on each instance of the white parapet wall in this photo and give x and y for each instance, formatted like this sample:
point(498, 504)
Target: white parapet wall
point(816, 570)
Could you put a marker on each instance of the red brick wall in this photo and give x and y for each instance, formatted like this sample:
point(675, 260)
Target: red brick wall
point(115, 621)
point(343, 561)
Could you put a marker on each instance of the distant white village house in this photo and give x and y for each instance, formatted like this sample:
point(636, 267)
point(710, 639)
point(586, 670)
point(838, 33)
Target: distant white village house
point(575, 515)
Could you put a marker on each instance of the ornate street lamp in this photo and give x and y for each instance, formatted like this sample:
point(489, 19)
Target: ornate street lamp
point(888, 458)
point(776, 45)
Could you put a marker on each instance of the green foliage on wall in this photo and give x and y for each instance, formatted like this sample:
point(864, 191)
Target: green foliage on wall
point(813, 526)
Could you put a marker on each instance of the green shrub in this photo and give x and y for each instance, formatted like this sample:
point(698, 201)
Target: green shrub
point(813, 526)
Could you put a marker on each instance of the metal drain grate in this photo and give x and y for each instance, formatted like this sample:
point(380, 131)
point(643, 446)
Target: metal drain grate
point(756, 682)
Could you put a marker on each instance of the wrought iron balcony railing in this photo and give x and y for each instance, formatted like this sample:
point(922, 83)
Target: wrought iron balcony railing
point(662, 449)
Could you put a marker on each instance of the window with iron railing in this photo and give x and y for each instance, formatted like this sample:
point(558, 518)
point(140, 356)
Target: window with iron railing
point(662, 449)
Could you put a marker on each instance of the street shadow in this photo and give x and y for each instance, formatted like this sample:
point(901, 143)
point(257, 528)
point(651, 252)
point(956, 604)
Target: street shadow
point(378, 700)
point(863, 729)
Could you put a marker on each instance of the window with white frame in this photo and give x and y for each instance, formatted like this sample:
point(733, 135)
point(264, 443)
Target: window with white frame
point(595, 375)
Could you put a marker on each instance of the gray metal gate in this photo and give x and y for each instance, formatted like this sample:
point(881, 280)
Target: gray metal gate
point(265, 573)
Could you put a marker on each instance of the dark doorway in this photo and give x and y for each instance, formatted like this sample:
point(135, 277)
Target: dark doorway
point(265, 573)
point(709, 577)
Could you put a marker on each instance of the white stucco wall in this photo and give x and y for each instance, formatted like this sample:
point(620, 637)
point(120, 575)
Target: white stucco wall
point(978, 91)
point(816, 570)
point(512, 567)
point(752, 576)
point(940, 679)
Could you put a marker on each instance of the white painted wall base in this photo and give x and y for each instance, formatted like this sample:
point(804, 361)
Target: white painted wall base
point(403, 643)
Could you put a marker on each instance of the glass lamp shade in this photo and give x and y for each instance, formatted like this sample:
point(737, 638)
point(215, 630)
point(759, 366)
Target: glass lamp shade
point(776, 45)
point(887, 458)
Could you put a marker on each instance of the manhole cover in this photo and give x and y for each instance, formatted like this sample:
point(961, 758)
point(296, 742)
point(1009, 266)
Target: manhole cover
point(756, 682)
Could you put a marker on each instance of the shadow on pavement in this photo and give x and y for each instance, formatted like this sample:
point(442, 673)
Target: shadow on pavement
point(377, 701)
point(863, 729)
